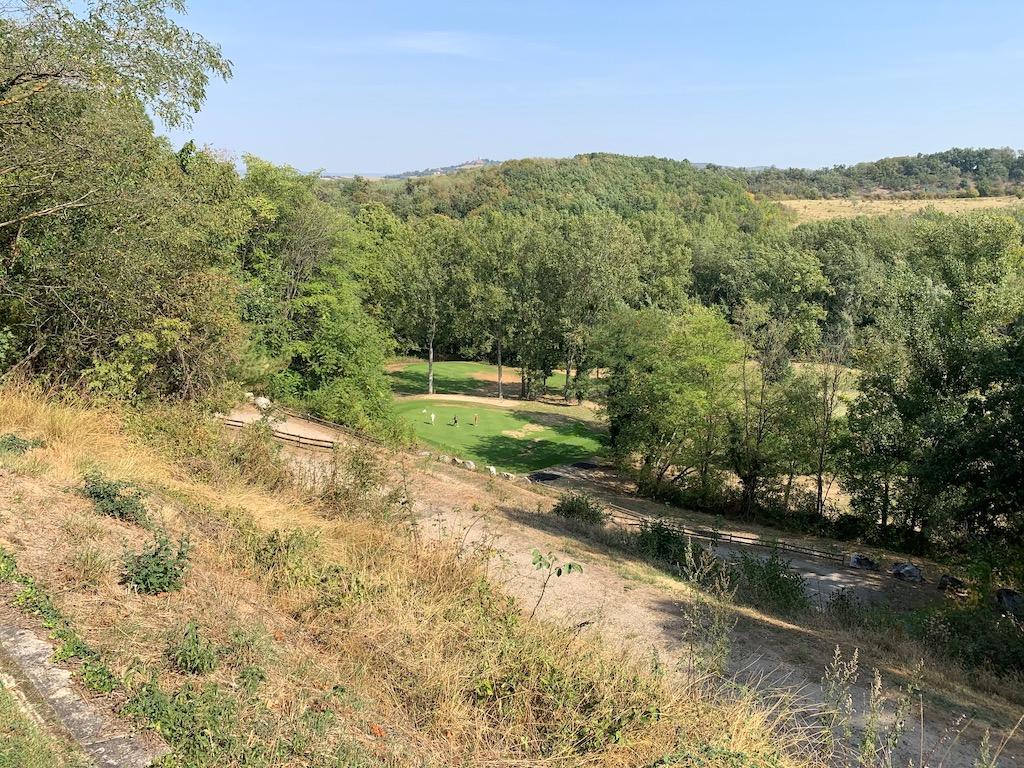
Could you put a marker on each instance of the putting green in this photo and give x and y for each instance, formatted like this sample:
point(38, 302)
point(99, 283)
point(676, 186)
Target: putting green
point(510, 439)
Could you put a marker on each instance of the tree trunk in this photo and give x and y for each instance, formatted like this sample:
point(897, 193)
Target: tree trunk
point(501, 387)
point(430, 365)
point(568, 369)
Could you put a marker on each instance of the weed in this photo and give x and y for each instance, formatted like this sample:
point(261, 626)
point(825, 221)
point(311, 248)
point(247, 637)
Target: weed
point(770, 583)
point(10, 443)
point(576, 505)
point(191, 653)
point(157, 568)
point(115, 498)
point(552, 568)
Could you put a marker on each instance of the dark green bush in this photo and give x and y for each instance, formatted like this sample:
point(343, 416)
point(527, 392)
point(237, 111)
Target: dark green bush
point(770, 583)
point(975, 636)
point(576, 505)
point(157, 568)
point(191, 653)
point(115, 498)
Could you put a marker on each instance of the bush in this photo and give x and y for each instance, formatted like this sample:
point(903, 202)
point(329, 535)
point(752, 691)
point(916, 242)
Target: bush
point(157, 568)
point(115, 498)
point(770, 583)
point(191, 653)
point(577, 505)
point(976, 636)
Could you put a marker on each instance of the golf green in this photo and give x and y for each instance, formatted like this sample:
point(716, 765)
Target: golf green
point(511, 439)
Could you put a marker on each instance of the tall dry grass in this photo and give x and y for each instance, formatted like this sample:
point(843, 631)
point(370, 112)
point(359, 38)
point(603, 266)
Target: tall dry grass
point(344, 639)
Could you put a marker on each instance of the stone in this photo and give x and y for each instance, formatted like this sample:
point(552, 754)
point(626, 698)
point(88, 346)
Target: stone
point(492, 471)
point(263, 403)
point(444, 458)
point(906, 572)
point(1010, 602)
point(458, 461)
point(470, 464)
point(508, 476)
point(948, 583)
point(858, 560)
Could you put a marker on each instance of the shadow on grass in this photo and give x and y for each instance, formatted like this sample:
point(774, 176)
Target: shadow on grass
point(523, 454)
point(414, 382)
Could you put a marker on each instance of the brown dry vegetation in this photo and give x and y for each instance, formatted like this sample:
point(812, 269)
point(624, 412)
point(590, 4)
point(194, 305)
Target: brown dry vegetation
point(343, 638)
point(816, 210)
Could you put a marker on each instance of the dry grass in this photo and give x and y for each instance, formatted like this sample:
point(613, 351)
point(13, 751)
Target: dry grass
point(817, 210)
point(369, 645)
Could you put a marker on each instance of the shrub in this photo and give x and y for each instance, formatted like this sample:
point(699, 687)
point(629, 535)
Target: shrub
point(115, 498)
point(158, 567)
point(576, 505)
point(191, 653)
point(770, 583)
point(976, 636)
point(13, 444)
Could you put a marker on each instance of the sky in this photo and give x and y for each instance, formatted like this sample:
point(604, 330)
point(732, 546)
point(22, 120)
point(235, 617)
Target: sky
point(377, 87)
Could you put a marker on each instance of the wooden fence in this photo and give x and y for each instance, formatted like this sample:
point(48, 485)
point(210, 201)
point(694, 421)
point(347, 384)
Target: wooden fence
point(632, 519)
point(286, 437)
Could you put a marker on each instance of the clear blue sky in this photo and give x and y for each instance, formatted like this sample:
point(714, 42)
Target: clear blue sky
point(380, 87)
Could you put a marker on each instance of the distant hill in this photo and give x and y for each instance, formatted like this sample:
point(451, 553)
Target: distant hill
point(957, 172)
point(445, 169)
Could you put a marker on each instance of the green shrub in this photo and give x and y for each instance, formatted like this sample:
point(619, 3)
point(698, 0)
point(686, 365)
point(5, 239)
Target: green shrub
point(717, 757)
point(576, 505)
point(975, 636)
point(158, 567)
point(191, 653)
point(13, 444)
point(115, 498)
point(770, 583)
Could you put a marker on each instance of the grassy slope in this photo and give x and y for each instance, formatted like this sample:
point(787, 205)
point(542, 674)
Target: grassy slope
point(342, 639)
point(510, 439)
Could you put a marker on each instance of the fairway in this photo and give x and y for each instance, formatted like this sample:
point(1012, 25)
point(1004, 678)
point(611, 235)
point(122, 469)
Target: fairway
point(510, 439)
point(457, 377)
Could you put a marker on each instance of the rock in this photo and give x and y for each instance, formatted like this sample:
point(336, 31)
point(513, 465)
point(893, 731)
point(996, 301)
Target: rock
point(858, 560)
point(948, 583)
point(1010, 602)
point(470, 464)
point(444, 458)
point(492, 471)
point(906, 572)
point(458, 461)
point(249, 397)
point(263, 403)
point(508, 476)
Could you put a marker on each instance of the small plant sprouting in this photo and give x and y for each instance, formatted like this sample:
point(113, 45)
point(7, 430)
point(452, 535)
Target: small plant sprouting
point(191, 653)
point(157, 568)
point(552, 568)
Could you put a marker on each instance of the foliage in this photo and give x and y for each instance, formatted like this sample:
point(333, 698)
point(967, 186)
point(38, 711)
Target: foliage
point(191, 653)
point(10, 443)
point(158, 568)
point(770, 583)
point(115, 498)
point(580, 506)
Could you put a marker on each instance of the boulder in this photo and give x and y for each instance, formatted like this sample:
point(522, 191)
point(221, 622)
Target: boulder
point(263, 403)
point(508, 476)
point(859, 560)
point(458, 461)
point(249, 397)
point(906, 572)
point(1010, 602)
point(470, 465)
point(444, 458)
point(949, 583)
point(492, 471)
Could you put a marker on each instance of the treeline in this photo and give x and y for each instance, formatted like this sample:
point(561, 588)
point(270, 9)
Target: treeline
point(953, 173)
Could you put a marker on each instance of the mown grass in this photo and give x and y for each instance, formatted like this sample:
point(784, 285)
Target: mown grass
point(340, 638)
point(512, 439)
point(459, 377)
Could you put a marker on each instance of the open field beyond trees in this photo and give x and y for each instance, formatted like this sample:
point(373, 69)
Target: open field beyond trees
point(841, 208)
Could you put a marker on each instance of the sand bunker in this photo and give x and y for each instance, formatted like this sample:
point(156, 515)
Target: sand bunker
point(524, 431)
